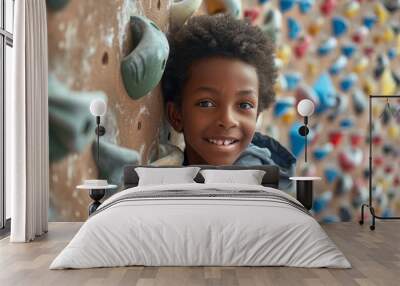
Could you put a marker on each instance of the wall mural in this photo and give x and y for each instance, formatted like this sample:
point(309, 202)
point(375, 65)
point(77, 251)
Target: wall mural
point(334, 53)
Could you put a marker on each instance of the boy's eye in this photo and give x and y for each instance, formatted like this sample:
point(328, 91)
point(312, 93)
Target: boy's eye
point(246, 105)
point(206, 103)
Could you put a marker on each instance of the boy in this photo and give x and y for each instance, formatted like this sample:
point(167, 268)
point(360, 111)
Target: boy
point(220, 74)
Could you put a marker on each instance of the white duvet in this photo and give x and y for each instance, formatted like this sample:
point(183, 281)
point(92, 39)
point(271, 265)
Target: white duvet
point(183, 231)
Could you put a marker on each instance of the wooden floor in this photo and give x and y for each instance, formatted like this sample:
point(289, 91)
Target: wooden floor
point(374, 255)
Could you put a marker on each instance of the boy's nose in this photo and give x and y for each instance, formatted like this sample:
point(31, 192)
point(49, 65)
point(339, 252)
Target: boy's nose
point(227, 119)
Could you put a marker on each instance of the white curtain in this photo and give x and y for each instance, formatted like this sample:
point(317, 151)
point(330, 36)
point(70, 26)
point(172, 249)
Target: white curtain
point(27, 147)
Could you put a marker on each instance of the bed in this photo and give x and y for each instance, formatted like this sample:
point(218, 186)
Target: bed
point(201, 224)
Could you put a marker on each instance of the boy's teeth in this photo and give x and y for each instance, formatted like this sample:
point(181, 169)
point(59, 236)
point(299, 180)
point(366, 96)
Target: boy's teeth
point(221, 142)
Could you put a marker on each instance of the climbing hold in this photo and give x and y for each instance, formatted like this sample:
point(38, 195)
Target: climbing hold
point(284, 53)
point(325, 91)
point(369, 21)
point(330, 219)
point(393, 131)
point(292, 79)
point(356, 139)
point(56, 4)
point(391, 5)
point(388, 35)
point(262, 2)
point(181, 11)
point(360, 34)
point(232, 7)
point(286, 5)
point(380, 12)
point(302, 46)
point(392, 53)
point(360, 64)
point(368, 85)
point(377, 139)
point(339, 64)
point(294, 28)
point(350, 158)
point(382, 63)
point(113, 160)
point(335, 137)
point(339, 26)
point(272, 26)
point(321, 202)
point(348, 82)
point(348, 49)
point(327, 46)
point(327, 7)
point(346, 123)
point(341, 106)
point(289, 117)
point(351, 9)
point(322, 152)
point(387, 83)
point(280, 84)
point(142, 69)
point(359, 101)
point(305, 6)
point(315, 26)
point(252, 14)
point(312, 67)
point(283, 105)
point(71, 126)
point(331, 173)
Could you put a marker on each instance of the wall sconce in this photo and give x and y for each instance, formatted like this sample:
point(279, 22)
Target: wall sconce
point(305, 108)
point(98, 107)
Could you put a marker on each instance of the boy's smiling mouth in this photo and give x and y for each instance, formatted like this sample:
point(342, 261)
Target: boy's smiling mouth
point(223, 142)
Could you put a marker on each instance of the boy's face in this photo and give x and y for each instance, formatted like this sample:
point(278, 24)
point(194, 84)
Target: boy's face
point(219, 110)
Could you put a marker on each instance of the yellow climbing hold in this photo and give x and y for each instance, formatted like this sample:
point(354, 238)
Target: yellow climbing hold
point(369, 86)
point(393, 131)
point(361, 65)
point(381, 13)
point(376, 111)
point(312, 69)
point(351, 9)
point(315, 26)
point(284, 53)
point(387, 83)
point(289, 117)
point(388, 35)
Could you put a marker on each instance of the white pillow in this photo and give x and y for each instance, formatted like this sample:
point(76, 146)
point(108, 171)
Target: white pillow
point(162, 176)
point(248, 177)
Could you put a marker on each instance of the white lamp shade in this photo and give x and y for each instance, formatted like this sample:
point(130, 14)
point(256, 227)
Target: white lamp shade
point(98, 107)
point(305, 107)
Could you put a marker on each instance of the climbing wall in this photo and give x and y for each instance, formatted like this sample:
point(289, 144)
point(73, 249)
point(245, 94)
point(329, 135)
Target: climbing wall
point(87, 42)
point(336, 53)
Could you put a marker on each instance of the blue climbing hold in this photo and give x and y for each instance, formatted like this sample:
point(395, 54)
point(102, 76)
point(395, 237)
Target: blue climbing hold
point(339, 26)
point(348, 50)
point(331, 174)
point(294, 28)
point(338, 65)
point(292, 80)
point(263, 1)
point(346, 123)
point(326, 92)
point(327, 46)
point(306, 5)
point(283, 105)
point(322, 152)
point(286, 5)
point(392, 53)
point(321, 202)
point(348, 82)
point(330, 219)
point(369, 21)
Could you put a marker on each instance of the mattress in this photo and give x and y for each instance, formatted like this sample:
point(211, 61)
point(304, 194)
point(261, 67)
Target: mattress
point(201, 225)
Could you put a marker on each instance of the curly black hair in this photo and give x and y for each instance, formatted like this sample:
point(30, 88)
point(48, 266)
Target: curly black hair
point(219, 35)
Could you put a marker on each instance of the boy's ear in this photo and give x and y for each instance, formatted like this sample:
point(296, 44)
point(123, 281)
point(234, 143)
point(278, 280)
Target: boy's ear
point(174, 116)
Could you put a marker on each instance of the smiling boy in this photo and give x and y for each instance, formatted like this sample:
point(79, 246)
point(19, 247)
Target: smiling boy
point(220, 74)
